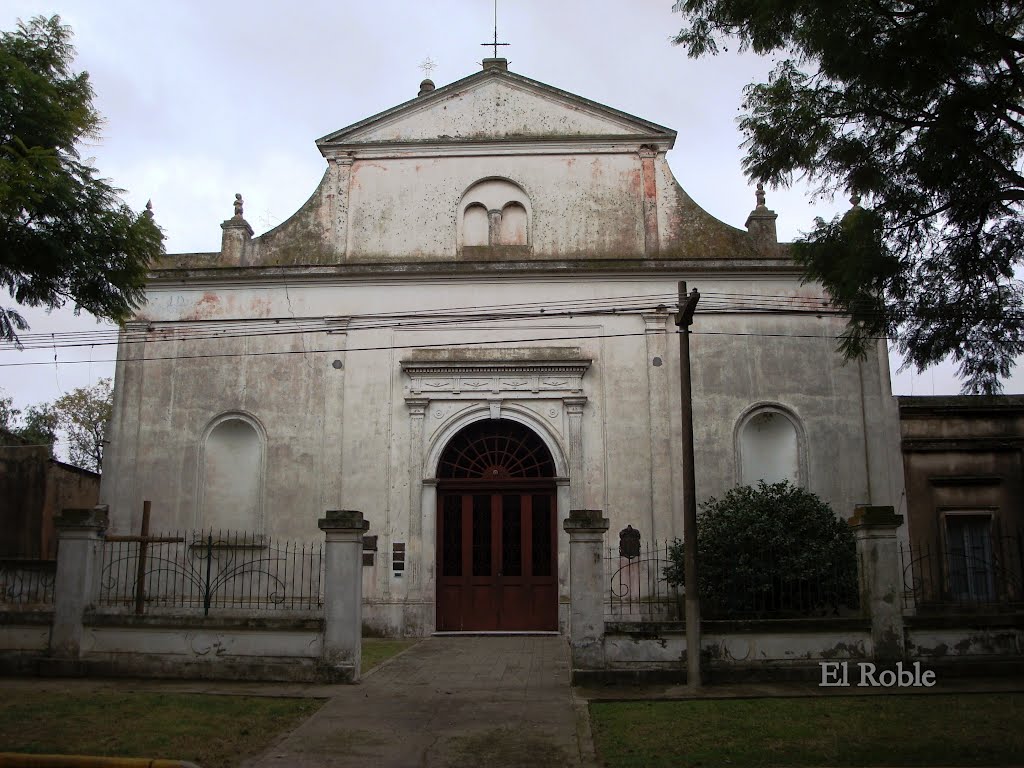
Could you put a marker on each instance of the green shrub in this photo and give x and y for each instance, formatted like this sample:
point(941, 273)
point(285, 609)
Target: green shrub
point(774, 550)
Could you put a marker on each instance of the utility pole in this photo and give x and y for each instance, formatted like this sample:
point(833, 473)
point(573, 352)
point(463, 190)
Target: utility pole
point(687, 306)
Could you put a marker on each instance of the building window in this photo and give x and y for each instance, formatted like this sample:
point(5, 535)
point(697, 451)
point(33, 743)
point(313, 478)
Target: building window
point(969, 558)
point(769, 447)
point(232, 476)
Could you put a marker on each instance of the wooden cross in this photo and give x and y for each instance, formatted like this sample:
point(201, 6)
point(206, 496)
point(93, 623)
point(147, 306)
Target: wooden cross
point(144, 540)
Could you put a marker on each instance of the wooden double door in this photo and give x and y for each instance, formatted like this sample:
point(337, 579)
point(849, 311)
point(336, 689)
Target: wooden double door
point(497, 558)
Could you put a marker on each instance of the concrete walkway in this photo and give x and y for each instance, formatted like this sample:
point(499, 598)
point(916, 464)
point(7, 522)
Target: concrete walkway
point(501, 702)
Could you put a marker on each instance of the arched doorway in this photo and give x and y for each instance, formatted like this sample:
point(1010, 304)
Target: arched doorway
point(496, 543)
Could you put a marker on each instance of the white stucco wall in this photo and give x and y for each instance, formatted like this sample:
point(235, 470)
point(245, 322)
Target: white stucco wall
point(338, 424)
point(339, 437)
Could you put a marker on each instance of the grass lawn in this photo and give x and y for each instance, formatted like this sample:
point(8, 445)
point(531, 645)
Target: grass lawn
point(378, 649)
point(935, 730)
point(213, 731)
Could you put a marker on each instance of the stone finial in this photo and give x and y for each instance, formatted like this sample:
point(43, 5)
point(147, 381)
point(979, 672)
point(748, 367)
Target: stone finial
point(238, 205)
point(855, 200)
point(761, 223)
point(426, 87)
point(149, 209)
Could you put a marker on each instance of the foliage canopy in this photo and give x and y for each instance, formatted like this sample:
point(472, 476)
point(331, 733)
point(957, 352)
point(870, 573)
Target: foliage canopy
point(769, 550)
point(65, 236)
point(916, 105)
point(79, 418)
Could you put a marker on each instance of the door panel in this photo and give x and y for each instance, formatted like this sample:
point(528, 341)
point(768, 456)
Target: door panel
point(496, 561)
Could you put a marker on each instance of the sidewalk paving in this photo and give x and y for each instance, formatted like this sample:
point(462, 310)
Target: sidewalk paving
point(496, 701)
point(500, 701)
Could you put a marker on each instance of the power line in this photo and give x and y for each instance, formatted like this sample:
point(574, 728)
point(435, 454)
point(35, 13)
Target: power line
point(428, 318)
point(449, 344)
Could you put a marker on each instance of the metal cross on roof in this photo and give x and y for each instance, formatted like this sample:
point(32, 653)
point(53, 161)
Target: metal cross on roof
point(428, 66)
point(495, 44)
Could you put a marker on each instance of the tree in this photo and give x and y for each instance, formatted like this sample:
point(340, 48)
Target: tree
point(769, 550)
point(83, 415)
point(38, 426)
point(917, 106)
point(65, 236)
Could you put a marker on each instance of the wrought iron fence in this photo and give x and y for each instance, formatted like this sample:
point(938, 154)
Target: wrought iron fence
point(26, 582)
point(941, 576)
point(752, 584)
point(208, 569)
point(637, 587)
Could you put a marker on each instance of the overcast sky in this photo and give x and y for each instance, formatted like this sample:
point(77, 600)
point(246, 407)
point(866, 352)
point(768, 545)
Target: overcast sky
point(205, 99)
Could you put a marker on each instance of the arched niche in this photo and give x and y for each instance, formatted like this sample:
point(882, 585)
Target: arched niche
point(770, 446)
point(506, 220)
point(513, 227)
point(475, 226)
point(231, 474)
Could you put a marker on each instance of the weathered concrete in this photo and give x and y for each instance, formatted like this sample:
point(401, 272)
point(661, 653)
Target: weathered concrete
point(881, 578)
point(343, 592)
point(586, 529)
point(79, 559)
point(35, 487)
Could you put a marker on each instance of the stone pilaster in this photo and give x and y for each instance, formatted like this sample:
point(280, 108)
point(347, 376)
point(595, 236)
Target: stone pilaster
point(656, 335)
point(343, 593)
point(586, 529)
point(574, 412)
point(881, 579)
point(414, 562)
point(341, 182)
point(650, 199)
point(333, 426)
point(80, 536)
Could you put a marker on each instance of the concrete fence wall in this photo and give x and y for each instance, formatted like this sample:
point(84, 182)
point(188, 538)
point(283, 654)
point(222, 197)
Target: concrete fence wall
point(615, 651)
point(77, 636)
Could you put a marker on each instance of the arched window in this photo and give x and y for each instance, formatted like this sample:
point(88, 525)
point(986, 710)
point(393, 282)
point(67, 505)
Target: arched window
point(232, 475)
point(769, 447)
point(496, 449)
point(494, 213)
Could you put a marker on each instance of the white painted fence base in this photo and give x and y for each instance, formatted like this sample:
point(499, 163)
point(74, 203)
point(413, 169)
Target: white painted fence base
point(78, 637)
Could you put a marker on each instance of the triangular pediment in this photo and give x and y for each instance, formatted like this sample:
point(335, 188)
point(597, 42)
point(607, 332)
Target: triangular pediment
point(496, 105)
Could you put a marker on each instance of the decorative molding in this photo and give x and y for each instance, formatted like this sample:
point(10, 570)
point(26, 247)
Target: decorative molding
point(655, 322)
point(467, 379)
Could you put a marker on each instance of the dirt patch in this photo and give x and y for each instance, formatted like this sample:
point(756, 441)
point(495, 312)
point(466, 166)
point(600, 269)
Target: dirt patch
point(504, 748)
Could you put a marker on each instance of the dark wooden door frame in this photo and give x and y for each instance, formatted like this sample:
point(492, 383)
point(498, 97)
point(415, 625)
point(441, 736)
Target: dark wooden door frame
point(476, 595)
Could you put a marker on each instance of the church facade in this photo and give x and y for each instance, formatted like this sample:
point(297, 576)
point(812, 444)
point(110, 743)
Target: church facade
point(468, 331)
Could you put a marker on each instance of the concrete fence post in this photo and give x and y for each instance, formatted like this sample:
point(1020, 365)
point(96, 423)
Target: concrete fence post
point(343, 593)
point(586, 529)
point(80, 536)
point(881, 579)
